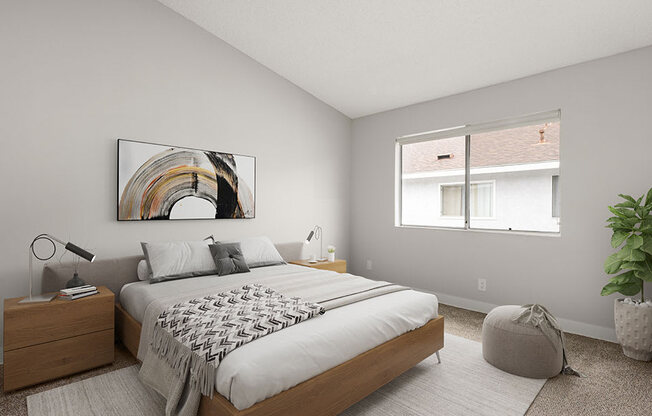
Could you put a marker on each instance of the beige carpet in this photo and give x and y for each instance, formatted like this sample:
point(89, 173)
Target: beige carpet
point(464, 384)
point(616, 385)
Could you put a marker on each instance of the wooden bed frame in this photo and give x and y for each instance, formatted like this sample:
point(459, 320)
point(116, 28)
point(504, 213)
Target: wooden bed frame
point(328, 393)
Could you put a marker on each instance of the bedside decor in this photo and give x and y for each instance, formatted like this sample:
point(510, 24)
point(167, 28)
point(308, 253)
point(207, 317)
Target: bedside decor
point(316, 233)
point(632, 235)
point(74, 282)
point(158, 182)
point(331, 252)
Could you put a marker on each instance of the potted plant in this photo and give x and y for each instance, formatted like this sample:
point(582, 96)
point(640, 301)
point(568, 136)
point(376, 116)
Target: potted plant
point(331, 253)
point(632, 265)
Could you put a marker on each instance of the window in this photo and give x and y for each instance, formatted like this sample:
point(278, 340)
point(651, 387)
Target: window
point(556, 200)
point(507, 166)
point(451, 200)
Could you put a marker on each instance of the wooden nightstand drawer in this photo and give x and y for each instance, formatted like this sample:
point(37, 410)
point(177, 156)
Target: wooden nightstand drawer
point(38, 363)
point(43, 341)
point(31, 324)
point(336, 266)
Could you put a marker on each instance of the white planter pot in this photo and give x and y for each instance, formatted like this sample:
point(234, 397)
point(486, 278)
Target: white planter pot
point(331, 256)
point(634, 329)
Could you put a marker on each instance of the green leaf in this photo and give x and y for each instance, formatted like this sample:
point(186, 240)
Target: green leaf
point(630, 289)
point(627, 289)
point(623, 278)
point(627, 197)
point(637, 255)
point(648, 199)
point(630, 213)
point(634, 241)
point(617, 212)
point(647, 245)
point(632, 265)
point(641, 212)
point(646, 225)
point(612, 264)
point(610, 288)
point(628, 223)
point(618, 238)
point(645, 229)
point(644, 211)
point(630, 254)
point(645, 270)
point(626, 204)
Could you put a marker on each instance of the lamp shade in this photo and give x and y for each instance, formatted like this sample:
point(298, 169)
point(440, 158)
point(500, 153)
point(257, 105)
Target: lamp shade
point(80, 252)
point(310, 237)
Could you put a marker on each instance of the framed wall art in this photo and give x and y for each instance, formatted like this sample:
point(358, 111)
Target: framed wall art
point(160, 182)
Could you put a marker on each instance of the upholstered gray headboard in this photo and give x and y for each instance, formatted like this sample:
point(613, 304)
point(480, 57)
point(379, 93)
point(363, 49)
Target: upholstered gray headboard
point(117, 272)
point(112, 273)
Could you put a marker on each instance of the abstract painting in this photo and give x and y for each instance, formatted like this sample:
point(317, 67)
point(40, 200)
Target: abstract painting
point(158, 182)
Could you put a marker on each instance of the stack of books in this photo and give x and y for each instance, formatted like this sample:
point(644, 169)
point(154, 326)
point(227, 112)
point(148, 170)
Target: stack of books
point(77, 292)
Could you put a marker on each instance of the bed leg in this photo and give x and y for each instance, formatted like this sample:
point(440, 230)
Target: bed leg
point(438, 357)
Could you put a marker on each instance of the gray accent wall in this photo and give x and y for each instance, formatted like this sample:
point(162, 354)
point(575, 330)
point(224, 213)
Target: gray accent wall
point(606, 149)
point(77, 75)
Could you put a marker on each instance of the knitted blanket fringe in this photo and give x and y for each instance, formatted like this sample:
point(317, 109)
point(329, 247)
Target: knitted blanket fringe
point(181, 359)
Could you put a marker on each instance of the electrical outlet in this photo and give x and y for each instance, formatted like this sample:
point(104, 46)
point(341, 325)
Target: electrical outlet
point(482, 285)
point(369, 265)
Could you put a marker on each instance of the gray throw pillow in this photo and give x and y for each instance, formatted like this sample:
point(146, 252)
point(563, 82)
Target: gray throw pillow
point(178, 260)
point(258, 251)
point(228, 258)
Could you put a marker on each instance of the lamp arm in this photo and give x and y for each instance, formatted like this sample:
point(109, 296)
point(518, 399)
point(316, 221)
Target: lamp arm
point(31, 268)
point(50, 236)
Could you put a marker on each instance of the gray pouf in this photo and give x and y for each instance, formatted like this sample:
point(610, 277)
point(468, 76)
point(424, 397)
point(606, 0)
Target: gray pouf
point(519, 348)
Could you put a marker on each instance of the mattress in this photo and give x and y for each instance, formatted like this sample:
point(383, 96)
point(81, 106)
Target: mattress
point(283, 359)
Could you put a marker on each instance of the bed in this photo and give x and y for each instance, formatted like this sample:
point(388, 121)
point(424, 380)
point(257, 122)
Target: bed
point(319, 367)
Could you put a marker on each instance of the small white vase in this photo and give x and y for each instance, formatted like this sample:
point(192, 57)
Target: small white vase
point(331, 256)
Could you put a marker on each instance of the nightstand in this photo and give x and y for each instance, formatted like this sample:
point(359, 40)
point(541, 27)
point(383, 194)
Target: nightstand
point(44, 341)
point(337, 266)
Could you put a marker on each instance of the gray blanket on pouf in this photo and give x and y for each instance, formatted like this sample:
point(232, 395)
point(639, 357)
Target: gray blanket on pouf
point(539, 317)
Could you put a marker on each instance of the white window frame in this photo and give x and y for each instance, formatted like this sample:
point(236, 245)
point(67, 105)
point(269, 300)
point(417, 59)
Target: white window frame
point(461, 217)
point(464, 131)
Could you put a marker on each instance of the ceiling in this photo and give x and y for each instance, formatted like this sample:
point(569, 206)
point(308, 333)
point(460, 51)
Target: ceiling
point(367, 56)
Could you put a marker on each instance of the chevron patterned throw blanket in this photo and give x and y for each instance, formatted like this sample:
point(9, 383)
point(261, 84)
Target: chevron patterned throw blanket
point(196, 335)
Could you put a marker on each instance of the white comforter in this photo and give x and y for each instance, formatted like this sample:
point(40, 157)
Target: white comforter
point(281, 360)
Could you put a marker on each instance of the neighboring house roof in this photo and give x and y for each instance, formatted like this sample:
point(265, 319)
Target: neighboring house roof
point(515, 146)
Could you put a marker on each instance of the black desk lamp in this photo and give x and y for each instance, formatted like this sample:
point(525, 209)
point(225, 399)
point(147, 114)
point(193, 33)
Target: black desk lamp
point(74, 282)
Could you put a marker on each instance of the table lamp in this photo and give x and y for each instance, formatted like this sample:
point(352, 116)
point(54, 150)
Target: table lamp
point(74, 282)
point(316, 232)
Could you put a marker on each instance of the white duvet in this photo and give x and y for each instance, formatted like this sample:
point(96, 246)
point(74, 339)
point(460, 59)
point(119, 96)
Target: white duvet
point(281, 360)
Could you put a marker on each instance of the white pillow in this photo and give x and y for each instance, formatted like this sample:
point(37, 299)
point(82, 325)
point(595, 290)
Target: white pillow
point(143, 270)
point(178, 259)
point(259, 251)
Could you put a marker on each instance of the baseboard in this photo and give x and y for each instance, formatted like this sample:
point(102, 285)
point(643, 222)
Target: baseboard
point(569, 326)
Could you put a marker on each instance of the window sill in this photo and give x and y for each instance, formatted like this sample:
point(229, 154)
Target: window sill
point(484, 231)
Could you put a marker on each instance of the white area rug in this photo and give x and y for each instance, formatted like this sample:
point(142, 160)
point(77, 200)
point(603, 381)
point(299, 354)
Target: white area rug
point(464, 384)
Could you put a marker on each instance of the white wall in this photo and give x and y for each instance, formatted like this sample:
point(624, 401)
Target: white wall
point(606, 145)
point(77, 75)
